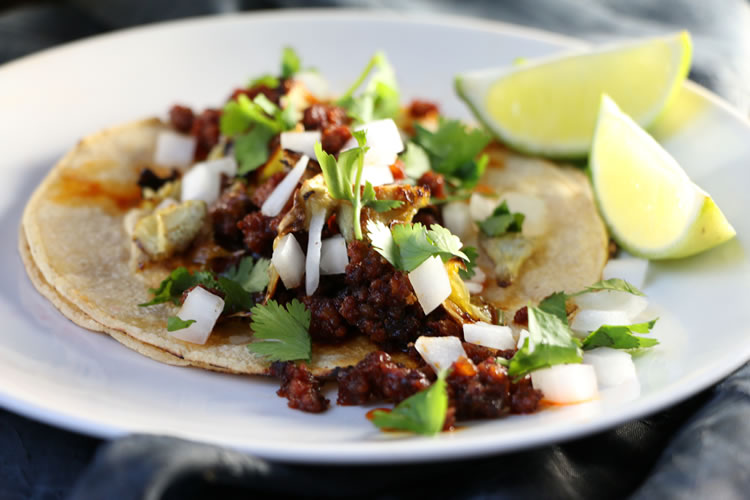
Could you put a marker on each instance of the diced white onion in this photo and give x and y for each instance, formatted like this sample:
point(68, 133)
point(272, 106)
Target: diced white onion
point(566, 384)
point(300, 142)
point(201, 183)
point(481, 207)
point(384, 141)
point(473, 287)
point(487, 335)
point(202, 306)
point(630, 269)
point(377, 176)
point(612, 366)
point(611, 300)
point(456, 217)
point(289, 261)
point(173, 149)
point(315, 84)
point(533, 209)
point(522, 336)
point(440, 352)
point(275, 202)
point(431, 283)
point(333, 255)
point(312, 262)
point(588, 320)
point(479, 276)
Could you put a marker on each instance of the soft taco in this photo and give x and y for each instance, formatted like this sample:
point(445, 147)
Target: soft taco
point(260, 218)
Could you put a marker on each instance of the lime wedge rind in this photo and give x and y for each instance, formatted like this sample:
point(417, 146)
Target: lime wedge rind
point(576, 68)
point(630, 170)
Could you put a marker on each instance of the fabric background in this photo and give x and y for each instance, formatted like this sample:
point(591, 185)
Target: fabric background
point(698, 449)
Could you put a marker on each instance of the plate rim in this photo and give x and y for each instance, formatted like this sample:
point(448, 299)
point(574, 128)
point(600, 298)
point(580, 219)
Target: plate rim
point(418, 449)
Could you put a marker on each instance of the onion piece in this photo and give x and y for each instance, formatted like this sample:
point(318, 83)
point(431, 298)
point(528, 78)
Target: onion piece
point(315, 84)
point(481, 207)
point(377, 175)
point(300, 142)
point(588, 320)
point(312, 262)
point(226, 165)
point(488, 335)
point(564, 384)
point(289, 261)
point(383, 139)
point(533, 209)
point(456, 217)
point(201, 183)
point(522, 336)
point(333, 255)
point(473, 287)
point(440, 352)
point(612, 300)
point(431, 283)
point(612, 366)
point(205, 308)
point(479, 276)
point(630, 269)
point(275, 202)
point(173, 149)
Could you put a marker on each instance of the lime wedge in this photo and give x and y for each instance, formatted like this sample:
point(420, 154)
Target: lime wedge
point(651, 206)
point(549, 107)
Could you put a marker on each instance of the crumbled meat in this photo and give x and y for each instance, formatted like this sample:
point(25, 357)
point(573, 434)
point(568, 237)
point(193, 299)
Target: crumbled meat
point(323, 116)
point(522, 316)
point(148, 179)
point(231, 207)
point(428, 216)
point(334, 138)
point(420, 108)
point(272, 94)
point(214, 291)
point(181, 118)
point(326, 324)
point(206, 131)
point(259, 232)
point(299, 386)
point(435, 183)
point(262, 192)
point(478, 353)
point(486, 391)
point(378, 378)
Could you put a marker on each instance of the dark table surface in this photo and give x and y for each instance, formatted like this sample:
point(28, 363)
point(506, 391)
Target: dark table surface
point(697, 449)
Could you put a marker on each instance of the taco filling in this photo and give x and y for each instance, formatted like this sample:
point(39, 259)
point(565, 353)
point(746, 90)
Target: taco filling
point(313, 238)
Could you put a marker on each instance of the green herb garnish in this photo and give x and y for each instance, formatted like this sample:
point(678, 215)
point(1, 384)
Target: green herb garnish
point(502, 221)
point(251, 275)
point(283, 332)
point(380, 97)
point(175, 323)
point(179, 280)
point(422, 413)
point(472, 253)
point(406, 246)
point(621, 336)
point(416, 161)
point(290, 62)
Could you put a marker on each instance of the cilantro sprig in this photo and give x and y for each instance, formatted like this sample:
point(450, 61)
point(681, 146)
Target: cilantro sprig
point(555, 303)
point(621, 336)
point(175, 323)
point(453, 151)
point(380, 97)
point(408, 245)
point(344, 177)
point(290, 65)
point(422, 413)
point(250, 274)
point(179, 280)
point(550, 342)
point(502, 221)
point(282, 332)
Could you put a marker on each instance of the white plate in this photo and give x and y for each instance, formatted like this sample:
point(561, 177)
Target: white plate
point(54, 371)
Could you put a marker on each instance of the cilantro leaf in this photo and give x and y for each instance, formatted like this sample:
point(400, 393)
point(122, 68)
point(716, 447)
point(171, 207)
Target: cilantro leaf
point(422, 413)
point(282, 332)
point(469, 272)
point(502, 221)
point(179, 280)
point(550, 342)
point(175, 323)
point(406, 246)
point(251, 149)
point(453, 149)
point(621, 336)
point(369, 200)
point(266, 80)
point(415, 160)
point(251, 275)
point(616, 284)
point(380, 97)
point(555, 304)
point(290, 62)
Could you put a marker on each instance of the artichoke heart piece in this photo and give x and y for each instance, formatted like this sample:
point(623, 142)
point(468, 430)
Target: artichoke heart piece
point(170, 230)
point(458, 304)
point(508, 254)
